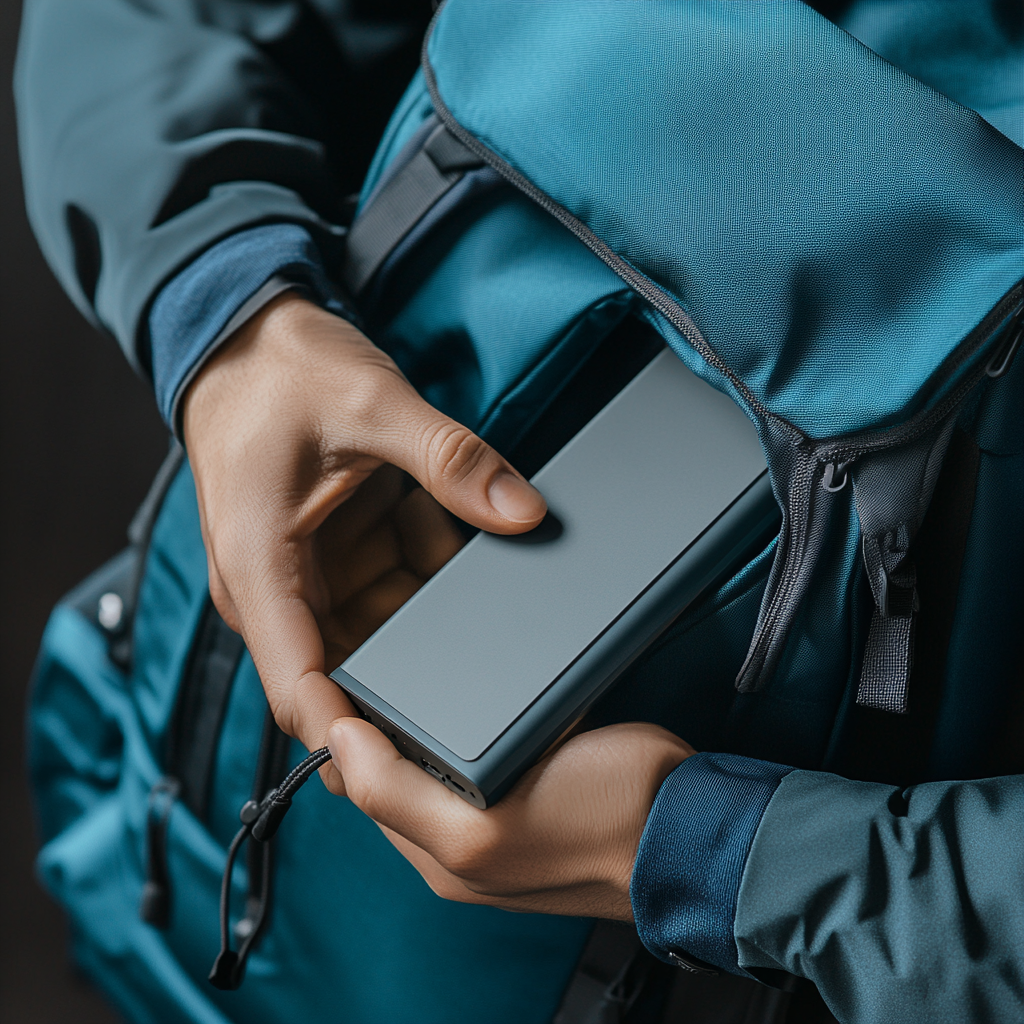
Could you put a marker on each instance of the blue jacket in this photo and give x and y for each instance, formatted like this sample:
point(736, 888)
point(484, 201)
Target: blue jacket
point(197, 166)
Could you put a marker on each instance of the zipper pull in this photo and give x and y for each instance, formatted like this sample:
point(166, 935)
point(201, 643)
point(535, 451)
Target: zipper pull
point(260, 821)
point(1002, 360)
point(155, 906)
point(835, 476)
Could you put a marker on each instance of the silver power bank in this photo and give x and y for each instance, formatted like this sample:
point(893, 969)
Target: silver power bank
point(508, 645)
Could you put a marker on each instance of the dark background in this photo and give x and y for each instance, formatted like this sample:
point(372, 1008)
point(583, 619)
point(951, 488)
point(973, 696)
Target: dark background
point(79, 442)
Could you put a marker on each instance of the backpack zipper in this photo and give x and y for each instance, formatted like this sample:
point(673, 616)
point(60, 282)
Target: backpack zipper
point(192, 744)
point(155, 905)
point(803, 532)
point(835, 459)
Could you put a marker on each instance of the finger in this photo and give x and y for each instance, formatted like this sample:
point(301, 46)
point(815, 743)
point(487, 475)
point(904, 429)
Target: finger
point(464, 473)
point(426, 533)
point(402, 797)
point(371, 502)
point(354, 621)
point(376, 553)
point(282, 636)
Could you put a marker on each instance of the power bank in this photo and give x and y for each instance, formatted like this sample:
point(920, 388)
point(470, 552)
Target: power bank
point(509, 644)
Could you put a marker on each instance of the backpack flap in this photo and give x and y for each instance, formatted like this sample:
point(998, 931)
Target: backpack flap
point(819, 234)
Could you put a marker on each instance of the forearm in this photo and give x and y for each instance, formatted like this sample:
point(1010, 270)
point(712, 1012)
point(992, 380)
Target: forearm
point(148, 133)
point(899, 905)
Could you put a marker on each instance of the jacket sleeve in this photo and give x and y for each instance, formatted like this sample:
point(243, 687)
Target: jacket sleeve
point(150, 132)
point(218, 292)
point(900, 905)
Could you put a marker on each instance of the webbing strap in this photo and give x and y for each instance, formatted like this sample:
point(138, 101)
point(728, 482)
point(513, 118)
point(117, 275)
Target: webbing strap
point(602, 988)
point(402, 202)
point(889, 652)
point(888, 660)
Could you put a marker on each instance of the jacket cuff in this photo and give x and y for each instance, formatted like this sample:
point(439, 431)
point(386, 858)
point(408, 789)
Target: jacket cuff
point(218, 292)
point(690, 862)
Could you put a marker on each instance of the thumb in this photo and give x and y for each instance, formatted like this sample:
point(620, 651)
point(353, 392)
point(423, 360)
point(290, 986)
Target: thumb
point(463, 472)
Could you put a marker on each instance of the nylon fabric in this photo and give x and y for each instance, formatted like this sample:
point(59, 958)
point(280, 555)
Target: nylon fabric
point(888, 660)
point(457, 324)
point(766, 169)
point(223, 115)
point(693, 852)
point(909, 901)
point(332, 863)
point(835, 228)
point(970, 52)
point(983, 668)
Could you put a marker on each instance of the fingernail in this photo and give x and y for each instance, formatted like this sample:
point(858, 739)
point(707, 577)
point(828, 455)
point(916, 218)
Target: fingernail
point(514, 498)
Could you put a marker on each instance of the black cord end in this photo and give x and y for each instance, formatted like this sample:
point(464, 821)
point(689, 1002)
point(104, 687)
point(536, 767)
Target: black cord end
point(269, 821)
point(228, 971)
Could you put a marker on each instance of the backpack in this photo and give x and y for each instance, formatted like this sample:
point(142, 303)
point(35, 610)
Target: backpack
point(550, 204)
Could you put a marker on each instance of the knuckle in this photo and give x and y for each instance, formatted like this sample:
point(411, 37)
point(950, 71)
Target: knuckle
point(453, 453)
point(283, 710)
point(367, 395)
point(371, 393)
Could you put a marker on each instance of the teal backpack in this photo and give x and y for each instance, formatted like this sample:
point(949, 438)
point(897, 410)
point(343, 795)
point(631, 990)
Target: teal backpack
point(553, 200)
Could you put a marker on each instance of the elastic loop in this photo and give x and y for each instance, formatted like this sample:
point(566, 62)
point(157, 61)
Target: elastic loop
point(229, 968)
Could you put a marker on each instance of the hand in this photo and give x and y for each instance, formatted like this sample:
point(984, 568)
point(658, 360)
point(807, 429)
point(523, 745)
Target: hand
point(295, 416)
point(563, 841)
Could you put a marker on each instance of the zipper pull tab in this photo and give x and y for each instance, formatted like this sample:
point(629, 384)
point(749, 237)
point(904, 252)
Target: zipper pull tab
point(260, 822)
point(155, 906)
point(889, 651)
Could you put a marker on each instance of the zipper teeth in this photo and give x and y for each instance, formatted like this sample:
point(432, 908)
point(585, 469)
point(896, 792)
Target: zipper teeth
point(1009, 306)
point(823, 450)
point(818, 451)
point(794, 542)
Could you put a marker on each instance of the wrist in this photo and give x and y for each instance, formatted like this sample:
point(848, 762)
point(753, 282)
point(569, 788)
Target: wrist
point(257, 362)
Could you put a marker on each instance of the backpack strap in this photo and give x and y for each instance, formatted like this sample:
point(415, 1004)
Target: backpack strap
point(609, 976)
point(892, 490)
point(401, 200)
point(108, 597)
point(201, 705)
point(617, 981)
point(895, 749)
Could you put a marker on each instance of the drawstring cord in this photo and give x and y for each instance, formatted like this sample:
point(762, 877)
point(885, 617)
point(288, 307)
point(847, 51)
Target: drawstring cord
point(260, 821)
